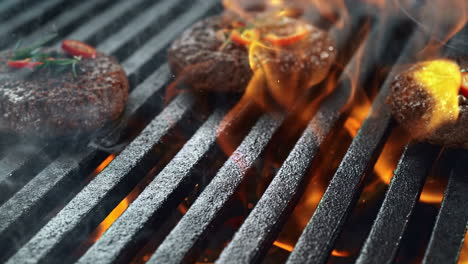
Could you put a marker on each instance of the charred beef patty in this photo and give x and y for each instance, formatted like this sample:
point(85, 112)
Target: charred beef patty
point(207, 62)
point(197, 58)
point(49, 104)
point(439, 117)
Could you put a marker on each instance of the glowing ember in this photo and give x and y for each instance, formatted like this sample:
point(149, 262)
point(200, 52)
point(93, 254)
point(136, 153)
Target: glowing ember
point(390, 155)
point(110, 219)
point(104, 164)
point(284, 246)
point(340, 253)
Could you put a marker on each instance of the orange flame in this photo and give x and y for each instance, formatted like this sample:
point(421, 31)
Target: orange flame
point(110, 219)
point(434, 187)
point(390, 155)
point(284, 246)
point(358, 114)
point(340, 253)
point(104, 164)
point(324, 168)
point(290, 248)
point(277, 42)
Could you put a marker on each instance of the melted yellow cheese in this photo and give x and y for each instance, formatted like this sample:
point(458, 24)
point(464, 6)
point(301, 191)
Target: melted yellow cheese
point(441, 79)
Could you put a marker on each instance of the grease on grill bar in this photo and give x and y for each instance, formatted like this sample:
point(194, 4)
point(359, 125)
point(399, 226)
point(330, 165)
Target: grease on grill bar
point(159, 186)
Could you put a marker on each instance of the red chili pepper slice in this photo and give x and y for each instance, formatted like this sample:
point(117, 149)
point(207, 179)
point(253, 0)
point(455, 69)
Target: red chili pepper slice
point(26, 63)
point(246, 38)
point(286, 40)
point(78, 48)
point(464, 86)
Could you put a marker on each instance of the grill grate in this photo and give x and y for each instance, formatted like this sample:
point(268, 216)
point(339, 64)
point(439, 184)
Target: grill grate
point(39, 224)
point(447, 237)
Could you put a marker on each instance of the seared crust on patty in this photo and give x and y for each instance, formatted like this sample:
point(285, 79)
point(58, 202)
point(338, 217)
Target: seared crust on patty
point(411, 105)
point(196, 56)
point(49, 104)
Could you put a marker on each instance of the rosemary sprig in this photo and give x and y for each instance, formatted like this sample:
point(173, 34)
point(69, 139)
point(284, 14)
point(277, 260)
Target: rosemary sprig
point(48, 61)
point(31, 51)
point(60, 65)
point(228, 39)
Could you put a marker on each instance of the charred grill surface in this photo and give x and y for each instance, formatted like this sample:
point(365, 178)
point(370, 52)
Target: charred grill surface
point(53, 197)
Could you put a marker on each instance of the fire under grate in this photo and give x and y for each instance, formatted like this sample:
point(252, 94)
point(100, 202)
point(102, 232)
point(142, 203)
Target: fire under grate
point(55, 195)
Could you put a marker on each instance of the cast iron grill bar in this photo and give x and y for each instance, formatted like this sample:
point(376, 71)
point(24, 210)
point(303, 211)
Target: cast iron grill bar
point(116, 15)
point(206, 208)
point(146, 21)
point(318, 238)
point(383, 241)
point(10, 7)
point(31, 202)
point(25, 18)
point(163, 192)
point(15, 159)
point(19, 210)
point(16, 168)
point(102, 193)
point(450, 227)
point(68, 18)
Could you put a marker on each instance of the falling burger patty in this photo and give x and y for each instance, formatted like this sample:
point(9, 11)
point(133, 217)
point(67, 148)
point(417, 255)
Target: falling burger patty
point(49, 103)
point(206, 61)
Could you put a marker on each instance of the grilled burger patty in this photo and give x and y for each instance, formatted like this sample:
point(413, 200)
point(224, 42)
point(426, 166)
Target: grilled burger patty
point(197, 57)
point(411, 106)
point(47, 103)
